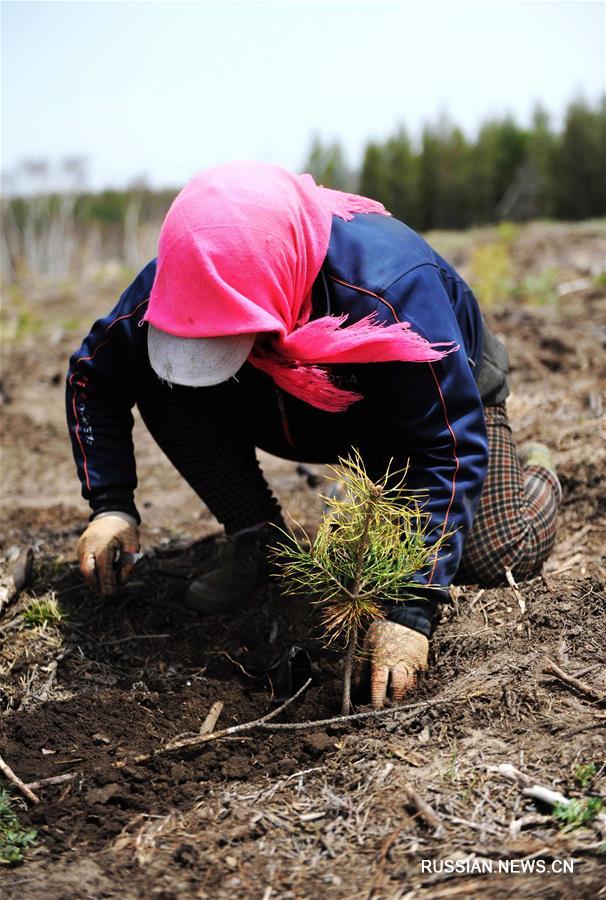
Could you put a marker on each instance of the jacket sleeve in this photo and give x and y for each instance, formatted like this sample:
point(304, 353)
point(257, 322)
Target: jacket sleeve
point(100, 394)
point(436, 421)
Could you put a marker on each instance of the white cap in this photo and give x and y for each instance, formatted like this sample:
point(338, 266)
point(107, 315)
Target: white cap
point(197, 362)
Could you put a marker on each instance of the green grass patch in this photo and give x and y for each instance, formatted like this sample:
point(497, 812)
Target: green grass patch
point(541, 289)
point(578, 812)
point(43, 612)
point(14, 838)
point(584, 774)
point(492, 274)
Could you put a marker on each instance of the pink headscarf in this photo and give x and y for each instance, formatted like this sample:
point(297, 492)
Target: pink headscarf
point(239, 251)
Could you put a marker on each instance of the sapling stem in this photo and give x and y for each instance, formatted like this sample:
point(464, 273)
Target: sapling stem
point(355, 590)
point(350, 658)
point(369, 548)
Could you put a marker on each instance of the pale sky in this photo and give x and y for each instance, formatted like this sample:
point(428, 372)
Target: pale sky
point(168, 88)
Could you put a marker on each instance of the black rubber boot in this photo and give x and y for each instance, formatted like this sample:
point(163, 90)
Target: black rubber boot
point(243, 566)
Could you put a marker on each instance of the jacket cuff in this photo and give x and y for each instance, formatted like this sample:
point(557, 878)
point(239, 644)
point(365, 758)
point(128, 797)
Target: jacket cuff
point(114, 500)
point(421, 613)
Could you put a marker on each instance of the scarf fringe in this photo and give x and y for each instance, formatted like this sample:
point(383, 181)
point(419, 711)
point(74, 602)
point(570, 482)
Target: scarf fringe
point(346, 206)
point(310, 384)
point(325, 340)
point(371, 342)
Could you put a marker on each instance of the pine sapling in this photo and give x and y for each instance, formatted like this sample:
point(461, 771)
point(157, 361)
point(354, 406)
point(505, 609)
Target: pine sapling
point(371, 543)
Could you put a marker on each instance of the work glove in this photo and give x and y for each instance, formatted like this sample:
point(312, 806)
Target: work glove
point(392, 654)
point(108, 550)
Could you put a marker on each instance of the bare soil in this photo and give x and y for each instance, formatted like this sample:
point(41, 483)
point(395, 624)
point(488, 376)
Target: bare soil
point(322, 812)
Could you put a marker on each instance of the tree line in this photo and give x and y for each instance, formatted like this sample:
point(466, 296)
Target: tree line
point(440, 179)
point(443, 179)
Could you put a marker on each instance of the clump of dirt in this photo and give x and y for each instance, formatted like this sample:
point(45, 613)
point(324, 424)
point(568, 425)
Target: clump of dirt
point(326, 811)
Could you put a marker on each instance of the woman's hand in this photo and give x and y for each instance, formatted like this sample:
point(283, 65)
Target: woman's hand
point(394, 654)
point(107, 551)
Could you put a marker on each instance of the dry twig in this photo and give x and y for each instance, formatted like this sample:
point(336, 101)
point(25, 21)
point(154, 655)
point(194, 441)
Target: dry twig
point(215, 735)
point(552, 669)
point(264, 723)
point(54, 779)
point(378, 881)
point(540, 792)
point(475, 598)
point(515, 591)
point(410, 710)
point(24, 788)
point(529, 788)
point(427, 813)
point(208, 726)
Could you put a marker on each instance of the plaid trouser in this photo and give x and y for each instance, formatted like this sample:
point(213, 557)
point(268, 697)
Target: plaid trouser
point(515, 525)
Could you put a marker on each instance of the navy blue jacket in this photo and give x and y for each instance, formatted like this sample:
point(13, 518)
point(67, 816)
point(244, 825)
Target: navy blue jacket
point(429, 414)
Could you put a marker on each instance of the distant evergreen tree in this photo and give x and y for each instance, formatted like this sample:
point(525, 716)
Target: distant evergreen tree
point(328, 166)
point(542, 151)
point(445, 177)
point(507, 172)
point(402, 175)
point(580, 185)
point(499, 154)
point(375, 175)
point(442, 180)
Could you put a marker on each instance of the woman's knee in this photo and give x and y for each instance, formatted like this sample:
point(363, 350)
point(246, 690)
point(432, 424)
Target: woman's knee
point(523, 551)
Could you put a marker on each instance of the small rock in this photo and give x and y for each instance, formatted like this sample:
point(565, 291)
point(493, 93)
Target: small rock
point(423, 736)
point(99, 738)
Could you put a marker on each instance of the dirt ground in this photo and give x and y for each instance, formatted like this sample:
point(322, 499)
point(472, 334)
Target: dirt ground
point(324, 811)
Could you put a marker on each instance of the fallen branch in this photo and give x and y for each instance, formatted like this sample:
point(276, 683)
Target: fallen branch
point(208, 726)
point(530, 789)
point(545, 795)
point(427, 813)
point(215, 735)
point(540, 792)
point(552, 669)
point(264, 723)
point(24, 788)
point(54, 779)
point(515, 590)
point(411, 709)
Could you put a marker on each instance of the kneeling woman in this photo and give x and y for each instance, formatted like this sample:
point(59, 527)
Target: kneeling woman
point(305, 321)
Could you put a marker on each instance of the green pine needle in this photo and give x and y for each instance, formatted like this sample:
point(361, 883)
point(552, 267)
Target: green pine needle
point(369, 547)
